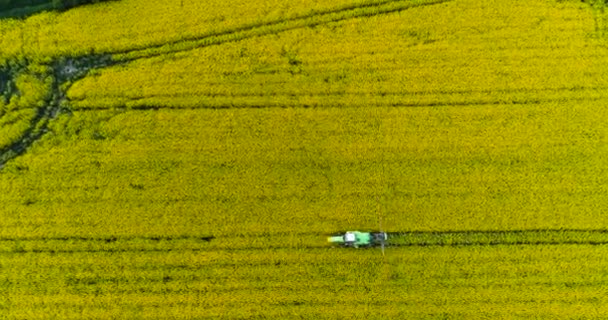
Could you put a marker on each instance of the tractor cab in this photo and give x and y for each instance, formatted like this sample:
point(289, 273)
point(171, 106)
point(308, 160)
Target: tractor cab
point(356, 239)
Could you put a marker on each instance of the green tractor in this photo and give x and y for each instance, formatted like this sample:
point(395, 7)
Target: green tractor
point(357, 239)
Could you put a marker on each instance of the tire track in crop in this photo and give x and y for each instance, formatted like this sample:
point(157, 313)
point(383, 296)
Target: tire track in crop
point(63, 71)
point(577, 95)
point(110, 239)
point(394, 92)
point(500, 237)
point(38, 127)
point(208, 243)
point(273, 27)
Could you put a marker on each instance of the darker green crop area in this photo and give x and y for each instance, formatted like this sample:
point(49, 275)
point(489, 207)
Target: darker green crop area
point(24, 8)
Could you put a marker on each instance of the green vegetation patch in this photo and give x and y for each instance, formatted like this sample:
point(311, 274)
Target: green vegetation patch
point(23, 8)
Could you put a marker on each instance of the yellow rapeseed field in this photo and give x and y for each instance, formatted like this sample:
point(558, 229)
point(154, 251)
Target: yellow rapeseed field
point(187, 160)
